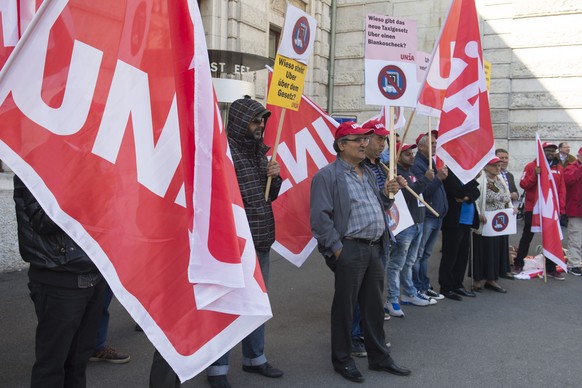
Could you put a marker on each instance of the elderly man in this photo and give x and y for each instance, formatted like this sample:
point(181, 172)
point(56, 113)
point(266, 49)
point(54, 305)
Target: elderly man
point(373, 152)
point(564, 155)
point(573, 179)
point(347, 214)
point(529, 182)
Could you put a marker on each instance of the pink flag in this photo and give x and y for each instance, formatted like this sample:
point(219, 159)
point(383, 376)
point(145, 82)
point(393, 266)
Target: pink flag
point(456, 90)
point(108, 115)
point(546, 211)
point(306, 146)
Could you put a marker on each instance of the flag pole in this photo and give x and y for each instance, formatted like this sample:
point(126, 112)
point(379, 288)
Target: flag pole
point(393, 161)
point(413, 193)
point(429, 143)
point(405, 131)
point(277, 139)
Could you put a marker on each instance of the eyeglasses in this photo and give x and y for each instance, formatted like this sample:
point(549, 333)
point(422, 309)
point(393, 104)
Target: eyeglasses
point(359, 140)
point(258, 121)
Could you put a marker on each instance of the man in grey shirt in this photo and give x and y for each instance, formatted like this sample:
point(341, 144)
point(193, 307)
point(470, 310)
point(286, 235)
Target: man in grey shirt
point(347, 214)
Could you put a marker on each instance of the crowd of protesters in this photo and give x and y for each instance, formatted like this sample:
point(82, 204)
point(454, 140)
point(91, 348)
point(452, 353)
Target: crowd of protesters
point(375, 272)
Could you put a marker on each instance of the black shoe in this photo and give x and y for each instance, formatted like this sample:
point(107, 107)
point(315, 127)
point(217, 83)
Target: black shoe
point(451, 295)
point(495, 288)
point(219, 381)
point(264, 369)
point(350, 373)
point(508, 276)
point(390, 366)
point(464, 292)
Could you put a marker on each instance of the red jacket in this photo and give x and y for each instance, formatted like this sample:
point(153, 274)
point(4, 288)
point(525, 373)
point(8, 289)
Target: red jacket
point(573, 178)
point(529, 182)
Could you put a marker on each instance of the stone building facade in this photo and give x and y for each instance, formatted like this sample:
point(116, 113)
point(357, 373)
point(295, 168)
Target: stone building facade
point(534, 46)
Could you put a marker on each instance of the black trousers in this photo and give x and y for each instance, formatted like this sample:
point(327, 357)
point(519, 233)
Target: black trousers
point(525, 241)
point(455, 257)
point(359, 279)
point(161, 373)
point(68, 319)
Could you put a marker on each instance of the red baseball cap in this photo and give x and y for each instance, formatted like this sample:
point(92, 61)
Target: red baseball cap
point(580, 151)
point(494, 160)
point(434, 133)
point(351, 128)
point(405, 147)
point(377, 126)
point(548, 144)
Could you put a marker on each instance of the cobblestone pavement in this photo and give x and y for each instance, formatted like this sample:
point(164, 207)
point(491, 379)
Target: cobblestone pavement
point(9, 257)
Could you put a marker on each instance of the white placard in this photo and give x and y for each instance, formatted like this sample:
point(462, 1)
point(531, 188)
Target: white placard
point(499, 223)
point(298, 35)
point(400, 217)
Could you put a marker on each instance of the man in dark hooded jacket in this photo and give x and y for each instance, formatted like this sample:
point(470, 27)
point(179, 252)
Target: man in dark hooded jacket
point(67, 291)
point(245, 127)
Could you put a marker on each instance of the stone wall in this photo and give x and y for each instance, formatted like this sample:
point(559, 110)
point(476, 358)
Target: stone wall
point(535, 47)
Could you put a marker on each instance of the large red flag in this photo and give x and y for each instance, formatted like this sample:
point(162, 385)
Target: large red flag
point(107, 113)
point(456, 90)
point(546, 212)
point(306, 146)
point(15, 16)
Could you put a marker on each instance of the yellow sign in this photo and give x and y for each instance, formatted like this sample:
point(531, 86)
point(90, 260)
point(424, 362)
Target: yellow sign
point(487, 67)
point(287, 83)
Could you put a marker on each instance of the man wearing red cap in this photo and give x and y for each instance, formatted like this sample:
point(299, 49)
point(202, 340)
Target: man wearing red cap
point(347, 214)
point(404, 250)
point(573, 178)
point(373, 152)
point(436, 197)
point(529, 182)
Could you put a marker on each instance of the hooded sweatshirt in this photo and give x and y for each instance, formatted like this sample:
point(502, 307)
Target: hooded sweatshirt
point(250, 163)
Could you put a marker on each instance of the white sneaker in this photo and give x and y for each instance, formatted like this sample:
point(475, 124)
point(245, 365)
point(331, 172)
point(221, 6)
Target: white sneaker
point(435, 295)
point(431, 301)
point(414, 300)
point(394, 310)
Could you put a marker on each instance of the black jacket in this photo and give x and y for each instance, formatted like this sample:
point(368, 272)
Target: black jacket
point(53, 256)
point(455, 189)
point(250, 164)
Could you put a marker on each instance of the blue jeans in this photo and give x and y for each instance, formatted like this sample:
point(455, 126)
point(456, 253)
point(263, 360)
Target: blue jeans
point(402, 258)
point(253, 345)
point(104, 321)
point(431, 228)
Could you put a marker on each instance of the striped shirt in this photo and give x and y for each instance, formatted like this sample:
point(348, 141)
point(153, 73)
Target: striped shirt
point(378, 171)
point(366, 212)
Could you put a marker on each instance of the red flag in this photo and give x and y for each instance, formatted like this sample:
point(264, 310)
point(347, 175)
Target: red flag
point(112, 123)
point(456, 89)
point(306, 146)
point(15, 15)
point(546, 212)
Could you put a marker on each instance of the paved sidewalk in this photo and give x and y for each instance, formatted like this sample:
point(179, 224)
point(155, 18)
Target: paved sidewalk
point(529, 337)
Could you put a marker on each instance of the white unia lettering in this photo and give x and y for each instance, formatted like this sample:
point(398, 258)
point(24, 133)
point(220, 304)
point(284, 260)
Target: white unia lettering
point(129, 97)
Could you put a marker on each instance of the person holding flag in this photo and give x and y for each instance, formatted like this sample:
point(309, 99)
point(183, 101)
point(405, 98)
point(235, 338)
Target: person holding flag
point(529, 182)
point(436, 197)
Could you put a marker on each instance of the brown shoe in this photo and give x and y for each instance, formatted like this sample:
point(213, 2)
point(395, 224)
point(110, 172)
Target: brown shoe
point(108, 354)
